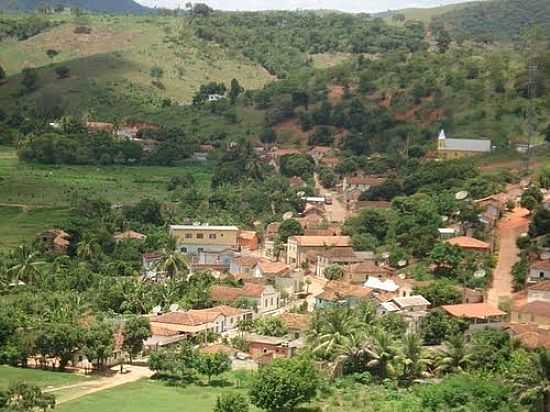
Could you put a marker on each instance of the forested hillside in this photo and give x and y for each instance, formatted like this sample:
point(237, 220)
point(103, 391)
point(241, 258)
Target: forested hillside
point(500, 20)
point(109, 6)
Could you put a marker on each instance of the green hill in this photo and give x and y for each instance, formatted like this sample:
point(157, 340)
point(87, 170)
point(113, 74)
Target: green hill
point(502, 20)
point(109, 6)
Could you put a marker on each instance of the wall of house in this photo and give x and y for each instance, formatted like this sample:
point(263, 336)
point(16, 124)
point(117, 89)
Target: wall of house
point(269, 300)
point(542, 295)
point(538, 274)
point(292, 253)
point(258, 349)
point(206, 238)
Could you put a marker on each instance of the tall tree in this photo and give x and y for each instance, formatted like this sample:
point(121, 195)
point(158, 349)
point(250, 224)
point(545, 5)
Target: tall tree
point(136, 330)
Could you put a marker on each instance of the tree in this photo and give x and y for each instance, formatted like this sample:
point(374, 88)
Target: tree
point(157, 72)
point(2, 74)
point(530, 376)
point(289, 227)
point(443, 40)
point(413, 357)
point(440, 292)
point(455, 354)
point(334, 272)
point(540, 225)
point(22, 397)
point(213, 364)
point(270, 326)
point(26, 266)
point(382, 352)
point(330, 330)
point(171, 264)
point(99, 343)
point(136, 330)
point(437, 325)
point(60, 340)
point(51, 53)
point(447, 258)
point(268, 136)
point(544, 176)
point(231, 402)
point(62, 72)
point(235, 90)
point(531, 198)
point(327, 177)
point(201, 10)
point(147, 211)
point(30, 79)
point(284, 384)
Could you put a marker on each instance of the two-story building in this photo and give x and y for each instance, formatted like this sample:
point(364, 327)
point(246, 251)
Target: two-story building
point(195, 239)
point(299, 246)
point(265, 298)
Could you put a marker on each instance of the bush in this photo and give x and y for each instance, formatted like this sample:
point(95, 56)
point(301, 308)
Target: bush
point(82, 30)
point(62, 72)
point(231, 402)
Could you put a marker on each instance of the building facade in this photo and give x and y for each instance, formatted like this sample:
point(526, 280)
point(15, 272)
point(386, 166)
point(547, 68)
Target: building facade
point(195, 239)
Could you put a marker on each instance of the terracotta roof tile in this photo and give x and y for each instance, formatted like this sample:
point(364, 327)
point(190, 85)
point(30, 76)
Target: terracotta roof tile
point(473, 310)
point(272, 268)
point(468, 242)
point(228, 293)
point(319, 241)
point(530, 336)
point(337, 290)
point(295, 321)
point(537, 307)
point(189, 318)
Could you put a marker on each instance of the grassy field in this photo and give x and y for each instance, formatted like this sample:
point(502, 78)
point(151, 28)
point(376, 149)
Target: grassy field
point(147, 395)
point(34, 197)
point(44, 379)
point(114, 62)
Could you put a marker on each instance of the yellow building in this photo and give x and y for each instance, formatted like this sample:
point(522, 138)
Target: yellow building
point(459, 148)
point(194, 239)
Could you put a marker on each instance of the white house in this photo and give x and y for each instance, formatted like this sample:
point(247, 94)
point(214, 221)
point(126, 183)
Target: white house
point(539, 270)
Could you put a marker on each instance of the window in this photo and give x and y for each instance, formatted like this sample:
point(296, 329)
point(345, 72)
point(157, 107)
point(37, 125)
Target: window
point(271, 301)
point(189, 236)
point(184, 250)
point(541, 275)
point(200, 236)
point(212, 236)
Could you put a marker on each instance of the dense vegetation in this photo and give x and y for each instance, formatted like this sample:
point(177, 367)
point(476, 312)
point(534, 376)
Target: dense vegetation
point(497, 20)
point(120, 6)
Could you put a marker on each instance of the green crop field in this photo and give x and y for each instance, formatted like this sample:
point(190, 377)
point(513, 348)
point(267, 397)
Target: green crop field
point(34, 197)
point(44, 379)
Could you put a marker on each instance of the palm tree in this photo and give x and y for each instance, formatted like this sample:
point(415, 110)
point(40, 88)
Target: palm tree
point(334, 327)
point(383, 353)
point(87, 248)
point(455, 355)
point(172, 263)
point(413, 357)
point(26, 266)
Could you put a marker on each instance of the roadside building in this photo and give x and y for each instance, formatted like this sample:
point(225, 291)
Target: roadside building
point(470, 244)
point(299, 246)
point(342, 293)
point(195, 239)
point(248, 240)
point(265, 298)
point(539, 270)
point(460, 148)
point(476, 313)
point(277, 347)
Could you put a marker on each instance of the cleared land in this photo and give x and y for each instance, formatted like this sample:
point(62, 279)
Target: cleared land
point(34, 197)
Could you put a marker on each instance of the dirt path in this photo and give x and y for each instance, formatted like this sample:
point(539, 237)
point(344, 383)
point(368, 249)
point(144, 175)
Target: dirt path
point(134, 373)
point(337, 211)
point(508, 230)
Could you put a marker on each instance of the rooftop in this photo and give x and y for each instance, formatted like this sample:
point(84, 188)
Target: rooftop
point(295, 321)
point(318, 241)
point(530, 335)
point(468, 242)
point(541, 265)
point(467, 145)
point(473, 310)
point(203, 227)
point(386, 285)
point(129, 234)
point(272, 268)
point(228, 293)
point(338, 290)
point(537, 307)
point(247, 234)
point(189, 318)
point(416, 300)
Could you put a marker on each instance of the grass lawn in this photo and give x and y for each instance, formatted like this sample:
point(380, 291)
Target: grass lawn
point(33, 197)
point(44, 379)
point(149, 395)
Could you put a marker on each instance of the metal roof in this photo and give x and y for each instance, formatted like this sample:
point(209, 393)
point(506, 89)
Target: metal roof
point(467, 145)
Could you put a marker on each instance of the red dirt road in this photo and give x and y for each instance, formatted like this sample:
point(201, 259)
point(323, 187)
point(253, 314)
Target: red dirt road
point(508, 230)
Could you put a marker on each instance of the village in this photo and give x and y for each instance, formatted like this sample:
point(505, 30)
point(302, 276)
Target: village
point(259, 277)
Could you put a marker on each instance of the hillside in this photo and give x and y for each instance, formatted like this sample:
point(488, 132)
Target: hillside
point(108, 6)
point(498, 19)
point(423, 14)
point(113, 63)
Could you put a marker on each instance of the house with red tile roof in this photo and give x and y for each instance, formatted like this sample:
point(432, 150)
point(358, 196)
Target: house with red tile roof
point(128, 235)
point(265, 297)
point(529, 335)
point(248, 239)
point(535, 312)
point(470, 244)
point(299, 246)
point(339, 292)
point(477, 313)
